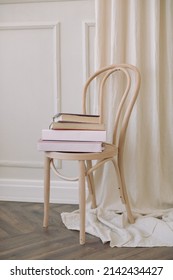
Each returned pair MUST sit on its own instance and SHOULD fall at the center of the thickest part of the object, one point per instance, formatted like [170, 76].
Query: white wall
[46, 53]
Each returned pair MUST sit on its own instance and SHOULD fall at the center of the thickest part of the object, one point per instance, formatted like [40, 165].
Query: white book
[74, 135]
[70, 146]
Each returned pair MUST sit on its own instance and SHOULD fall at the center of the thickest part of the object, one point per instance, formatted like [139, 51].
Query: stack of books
[73, 133]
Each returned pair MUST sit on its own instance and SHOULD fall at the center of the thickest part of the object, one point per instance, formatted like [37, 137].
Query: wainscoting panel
[46, 54]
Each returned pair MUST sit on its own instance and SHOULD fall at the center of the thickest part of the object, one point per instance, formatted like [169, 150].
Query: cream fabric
[140, 33]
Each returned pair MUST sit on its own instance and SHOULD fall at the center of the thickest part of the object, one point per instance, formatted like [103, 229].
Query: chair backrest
[130, 72]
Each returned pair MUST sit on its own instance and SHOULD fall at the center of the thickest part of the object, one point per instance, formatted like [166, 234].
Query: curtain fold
[141, 33]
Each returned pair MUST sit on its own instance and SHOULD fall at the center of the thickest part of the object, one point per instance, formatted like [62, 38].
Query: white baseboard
[32, 191]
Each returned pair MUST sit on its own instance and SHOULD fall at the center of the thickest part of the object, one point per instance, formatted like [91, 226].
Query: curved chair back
[123, 112]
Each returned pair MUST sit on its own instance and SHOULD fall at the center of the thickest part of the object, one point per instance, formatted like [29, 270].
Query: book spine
[76, 126]
[77, 135]
[63, 146]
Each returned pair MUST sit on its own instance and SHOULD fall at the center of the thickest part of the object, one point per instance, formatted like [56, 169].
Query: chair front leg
[82, 201]
[46, 190]
[91, 186]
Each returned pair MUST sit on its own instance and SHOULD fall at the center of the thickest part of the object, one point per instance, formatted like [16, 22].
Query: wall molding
[21, 164]
[86, 49]
[55, 27]
[32, 191]
[87, 71]
[33, 1]
[28, 25]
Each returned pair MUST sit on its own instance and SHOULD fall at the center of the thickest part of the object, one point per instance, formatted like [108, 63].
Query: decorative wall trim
[57, 67]
[21, 164]
[33, 1]
[55, 26]
[86, 50]
[28, 25]
[87, 26]
[32, 191]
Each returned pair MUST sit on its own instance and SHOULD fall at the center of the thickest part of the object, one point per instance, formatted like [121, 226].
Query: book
[81, 118]
[74, 135]
[76, 125]
[70, 146]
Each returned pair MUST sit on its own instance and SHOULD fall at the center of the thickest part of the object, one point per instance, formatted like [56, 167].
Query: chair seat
[109, 151]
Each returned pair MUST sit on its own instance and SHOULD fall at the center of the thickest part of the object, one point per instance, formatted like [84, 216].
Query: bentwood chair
[112, 152]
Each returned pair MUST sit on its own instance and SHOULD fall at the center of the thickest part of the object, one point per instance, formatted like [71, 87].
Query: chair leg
[127, 204]
[82, 201]
[91, 186]
[46, 190]
[119, 181]
[123, 191]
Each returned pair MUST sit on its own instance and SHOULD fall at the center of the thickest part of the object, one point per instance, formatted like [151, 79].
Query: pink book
[74, 135]
[70, 146]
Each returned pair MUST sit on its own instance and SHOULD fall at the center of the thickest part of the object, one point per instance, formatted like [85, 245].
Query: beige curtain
[141, 33]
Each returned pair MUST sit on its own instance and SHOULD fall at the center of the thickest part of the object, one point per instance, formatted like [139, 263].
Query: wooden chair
[113, 152]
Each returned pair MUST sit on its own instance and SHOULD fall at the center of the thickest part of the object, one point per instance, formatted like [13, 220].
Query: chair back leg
[46, 190]
[123, 192]
[82, 201]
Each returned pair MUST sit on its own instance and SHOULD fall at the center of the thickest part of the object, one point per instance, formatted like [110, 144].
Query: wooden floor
[22, 238]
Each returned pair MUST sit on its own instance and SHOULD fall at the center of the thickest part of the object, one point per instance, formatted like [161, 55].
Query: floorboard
[23, 238]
